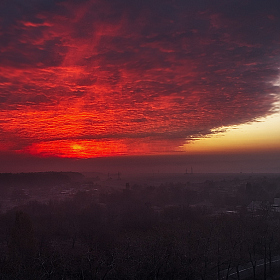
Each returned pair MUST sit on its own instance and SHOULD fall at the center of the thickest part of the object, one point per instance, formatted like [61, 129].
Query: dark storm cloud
[157, 70]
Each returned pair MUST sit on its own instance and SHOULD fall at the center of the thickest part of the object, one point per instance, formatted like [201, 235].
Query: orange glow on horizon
[245, 138]
[77, 149]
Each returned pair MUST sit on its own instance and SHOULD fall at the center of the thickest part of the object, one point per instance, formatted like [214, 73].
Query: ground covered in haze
[99, 228]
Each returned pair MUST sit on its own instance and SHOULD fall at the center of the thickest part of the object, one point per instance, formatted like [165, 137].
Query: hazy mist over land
[221, 163]
[164, 225]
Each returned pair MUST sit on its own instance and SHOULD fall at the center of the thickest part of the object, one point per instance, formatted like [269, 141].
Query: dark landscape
[67, 225]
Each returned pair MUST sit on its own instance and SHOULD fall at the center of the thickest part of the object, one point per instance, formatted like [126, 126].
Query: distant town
[213, 193]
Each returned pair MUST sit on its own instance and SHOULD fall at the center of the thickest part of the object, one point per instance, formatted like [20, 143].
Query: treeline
[126, 238]
[36, 179]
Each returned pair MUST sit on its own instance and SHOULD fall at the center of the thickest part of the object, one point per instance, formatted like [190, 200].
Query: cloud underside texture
[93, 78]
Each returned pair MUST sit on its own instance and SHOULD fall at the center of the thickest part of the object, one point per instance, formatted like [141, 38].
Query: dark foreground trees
[126, 238]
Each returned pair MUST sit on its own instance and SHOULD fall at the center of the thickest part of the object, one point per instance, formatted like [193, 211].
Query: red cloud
[104, 78]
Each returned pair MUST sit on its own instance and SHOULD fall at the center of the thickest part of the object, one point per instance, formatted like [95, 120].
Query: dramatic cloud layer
[108, 77]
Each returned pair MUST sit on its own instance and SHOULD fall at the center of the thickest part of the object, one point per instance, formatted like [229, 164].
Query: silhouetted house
[205, 206]
[276, 204]
[257, 205]
[157, 211]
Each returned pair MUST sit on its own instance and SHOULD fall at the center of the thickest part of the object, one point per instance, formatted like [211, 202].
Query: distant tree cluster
[30, 180]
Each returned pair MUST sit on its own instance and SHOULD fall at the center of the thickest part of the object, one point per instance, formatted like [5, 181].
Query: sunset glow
[81, 149]
[84, 79]
[246, 138]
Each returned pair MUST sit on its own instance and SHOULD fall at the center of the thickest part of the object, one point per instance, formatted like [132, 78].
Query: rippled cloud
[97, 78]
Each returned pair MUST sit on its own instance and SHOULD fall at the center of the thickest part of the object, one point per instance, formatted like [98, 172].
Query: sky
[88, 80]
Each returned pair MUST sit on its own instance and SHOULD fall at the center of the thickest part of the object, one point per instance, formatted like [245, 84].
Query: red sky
[95, 78]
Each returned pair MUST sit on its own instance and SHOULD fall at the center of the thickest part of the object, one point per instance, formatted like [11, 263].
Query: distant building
[276, 204]
[277, 201]
[257, 205]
